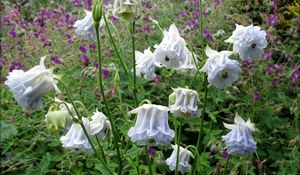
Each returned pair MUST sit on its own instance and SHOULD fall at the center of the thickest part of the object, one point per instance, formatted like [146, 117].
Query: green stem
[101, 149]
[90, 140]
[148, 160]
[178, 146]
[115, 135]
[226, 164]
[201, 124]
[116, 49]
[133, 63]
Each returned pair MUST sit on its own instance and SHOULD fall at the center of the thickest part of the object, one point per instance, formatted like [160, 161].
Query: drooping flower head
[76, 138]
[56, 119]
[171, 52]
[248, 41]
[221, 70]
[151, 127]
[239, 140]
[29, 87]
[85, 27]
[145, 64]
[185, 103]
[183, 162]
[126, 9]
[188, 66]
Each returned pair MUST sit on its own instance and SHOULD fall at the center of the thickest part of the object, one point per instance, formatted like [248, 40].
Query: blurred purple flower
[82, 49]
[146, 5]
[92, 47]
[256, 96]
[105, 72]
[271, 68]
[217, 2]
[193, 23]
[276, 82]
[225, 154]
[55, 59]
[267, 54]
[207, 35]
[293, 85]
[16, 65]
[196, 3]
[95, 63]
[114, 19]
[85, 60]
[157, 79]
[281, 68]
[151, 152]
[195, 14]
[40, 21]
[295, 75]
[89, 4]
[274, 4]
[213, 149]
[37, 33]
[138, 29]
[3, 60]
[146, 19]
[12, 33]
[69, 19]
[273, 20]
[147, 28]
[182, 14]
[77, 3]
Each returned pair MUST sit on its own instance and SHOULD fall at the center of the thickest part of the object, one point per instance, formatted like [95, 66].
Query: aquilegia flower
[86, 28]
[126, 9]
[76, 138]
[221, 70]
[145, 65]
[183, 162]
[185, 103]
[56, 119]
[188, 66]
[239, 140]
[171, 52]
[29, 87]
[248, 41]
[151, 127]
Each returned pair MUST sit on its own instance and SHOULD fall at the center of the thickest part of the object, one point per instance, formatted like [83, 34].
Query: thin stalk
[178, 146]
[116, 49]
[101, 149]
[82, 125]
[148, 160]
[115, 135]
[133, 63]
[201, 124]
[226, 164]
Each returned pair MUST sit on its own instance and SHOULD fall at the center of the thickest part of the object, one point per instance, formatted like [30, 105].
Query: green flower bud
[172, 98]
[117, 77]
[56, 119]
[97, 12]
[126, 9]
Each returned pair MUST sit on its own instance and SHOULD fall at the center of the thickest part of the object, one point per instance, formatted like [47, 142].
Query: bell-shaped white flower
[76, 138]
[56, 119]
[86, 28]
[99, 124]
[145, 65]
[29, 87]
[172, 51]
[248, 41]
[239, 140]
[151, 127]
[221, 70]
[188, 66]
[126, 9]
[183, 162]
[186, 103]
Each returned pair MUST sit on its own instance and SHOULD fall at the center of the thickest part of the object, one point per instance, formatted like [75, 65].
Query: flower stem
[115, 134]
[116, 49]
[133, 63]
[148, 160]
[201, 124]
[226, 164]
[101, 149]
[178, 145]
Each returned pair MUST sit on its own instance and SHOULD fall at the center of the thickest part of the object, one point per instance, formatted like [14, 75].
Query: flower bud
[56, 119]
[97, 12]
[126, 9]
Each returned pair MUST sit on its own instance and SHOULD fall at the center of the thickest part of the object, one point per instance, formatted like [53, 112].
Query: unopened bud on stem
[97, 12]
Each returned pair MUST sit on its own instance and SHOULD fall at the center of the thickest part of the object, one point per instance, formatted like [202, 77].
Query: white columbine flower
[29, 87]
[86, 28]
[151, 127]
[183, 162]
[221, 70]
[188, 66]
[145, 65]
[248, 41]
[76, 138]
[99, 123]
[239, 140]
[185, 104]
[172, 51]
